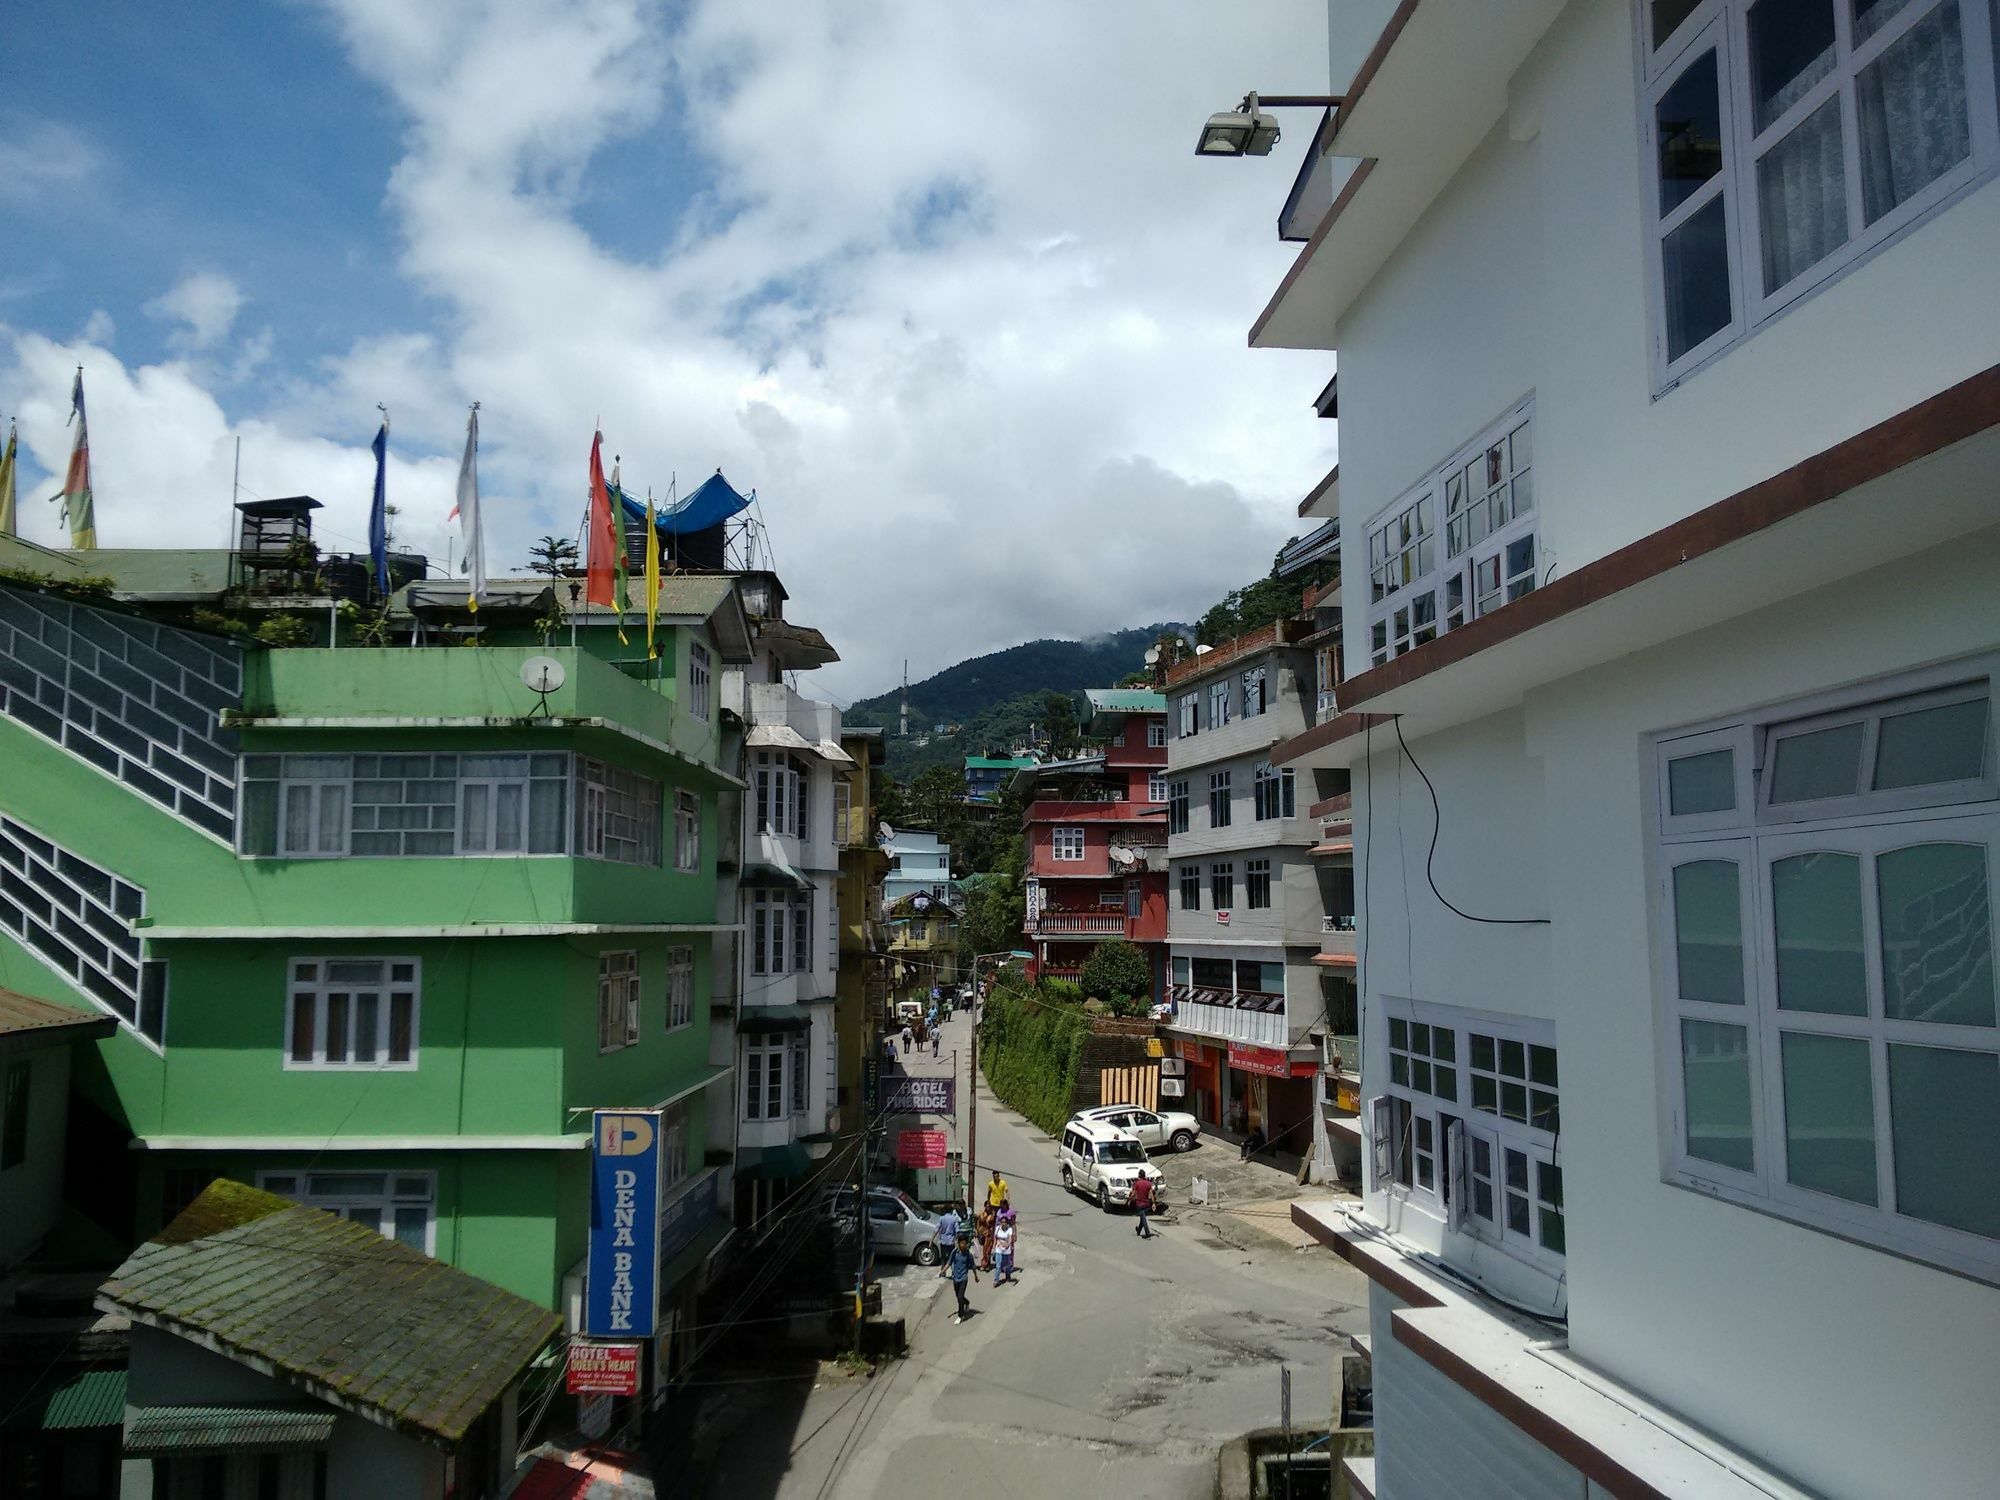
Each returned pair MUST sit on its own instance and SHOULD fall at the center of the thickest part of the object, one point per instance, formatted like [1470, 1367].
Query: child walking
[960, 1268]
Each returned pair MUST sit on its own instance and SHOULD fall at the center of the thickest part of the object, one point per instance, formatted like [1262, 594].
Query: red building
[1096, 831]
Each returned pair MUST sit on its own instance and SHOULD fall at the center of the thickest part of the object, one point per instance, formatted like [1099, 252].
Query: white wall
[1528, 275]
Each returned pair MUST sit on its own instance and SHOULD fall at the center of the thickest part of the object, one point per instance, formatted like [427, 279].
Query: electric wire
[1437, 827]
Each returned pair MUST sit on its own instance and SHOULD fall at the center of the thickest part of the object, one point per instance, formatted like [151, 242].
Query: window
[1256, 699]
[1190, 887]
[1156, 787]
[1118, 738]
[1222, 885]
[1177, 807]
[801, 1072]
[14, 1115]
[781, 783]
[764, 1076]
[779, 929]
[801, 934]
[617, 1000]
[1218, 799]
[1135, 900]
[698, 680]
[674, 1145]
[1110, 897]
[1218, 703]
[687, 830]
[1490, 554]
[680, 988]
[1156, 734]
[620, 814]
[1272, 792]
[844, 832]
[352, 1013]
[1067, 843]
[1190, 714]
[1829, 1008]
[1257, 884]
[1423, 1058]
[406, 805]
[396, 1205]
[1790, 137]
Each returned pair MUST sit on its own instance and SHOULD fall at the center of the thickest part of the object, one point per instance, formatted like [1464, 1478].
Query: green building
[380, 925]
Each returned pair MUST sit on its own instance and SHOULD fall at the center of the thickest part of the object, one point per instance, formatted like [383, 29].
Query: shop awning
[774, 1162]
[62, 1400]
[225, 1429]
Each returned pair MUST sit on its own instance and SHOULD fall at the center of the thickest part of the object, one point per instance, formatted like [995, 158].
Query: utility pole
[861, 1215]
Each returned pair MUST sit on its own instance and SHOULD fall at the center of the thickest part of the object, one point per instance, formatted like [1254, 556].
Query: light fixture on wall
[1247, 131]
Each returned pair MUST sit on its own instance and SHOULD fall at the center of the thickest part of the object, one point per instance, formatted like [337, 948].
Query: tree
[553, 555]
[990, 919]
[1059, 723]
[1116, 970]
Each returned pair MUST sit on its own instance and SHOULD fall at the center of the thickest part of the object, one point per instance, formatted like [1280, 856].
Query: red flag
[602, 547]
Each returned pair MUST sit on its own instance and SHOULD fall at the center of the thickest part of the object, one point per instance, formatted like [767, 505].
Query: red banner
[920, 1148]
[603, 1369]
[1273, 1062]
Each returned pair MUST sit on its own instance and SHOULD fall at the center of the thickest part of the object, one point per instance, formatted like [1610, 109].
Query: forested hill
[994, 698]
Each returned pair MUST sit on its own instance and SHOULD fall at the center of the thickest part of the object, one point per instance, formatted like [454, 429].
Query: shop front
[1273, 1090]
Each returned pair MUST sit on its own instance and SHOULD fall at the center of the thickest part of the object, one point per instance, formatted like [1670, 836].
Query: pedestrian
[960, 1267]
[1253, 1143]
[1142, 1204]
[906, 1038]
[983, 1228]
[949, 1224]
[1003, 1248]
[935, 1039]
[996, 1191]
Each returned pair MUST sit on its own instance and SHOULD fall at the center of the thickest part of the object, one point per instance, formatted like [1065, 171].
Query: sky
[945, 285]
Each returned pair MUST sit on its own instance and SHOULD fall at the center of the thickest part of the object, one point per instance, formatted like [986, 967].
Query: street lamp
[1247, 131]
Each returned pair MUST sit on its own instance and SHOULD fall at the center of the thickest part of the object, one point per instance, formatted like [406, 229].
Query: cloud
[40, 158]
[204, 303]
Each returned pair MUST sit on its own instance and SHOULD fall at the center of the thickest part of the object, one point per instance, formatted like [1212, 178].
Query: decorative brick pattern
[139, 701]
[78, 916]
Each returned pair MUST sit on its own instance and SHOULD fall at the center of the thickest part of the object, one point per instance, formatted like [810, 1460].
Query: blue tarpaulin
[710, 505]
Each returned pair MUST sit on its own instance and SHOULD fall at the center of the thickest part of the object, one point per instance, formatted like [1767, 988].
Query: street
[1114, 1366]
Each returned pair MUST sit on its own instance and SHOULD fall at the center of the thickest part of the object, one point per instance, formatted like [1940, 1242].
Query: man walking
[1142, 1204]
[996, 1192]
[936, 1037]
[961, 1268]
[949, 1224]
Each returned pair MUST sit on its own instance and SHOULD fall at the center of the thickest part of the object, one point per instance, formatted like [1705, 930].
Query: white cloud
[962, 305]
[42, 158]
[204, 303]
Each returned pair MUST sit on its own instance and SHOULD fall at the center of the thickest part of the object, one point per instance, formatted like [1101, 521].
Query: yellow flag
[7, 484]
[652, 576]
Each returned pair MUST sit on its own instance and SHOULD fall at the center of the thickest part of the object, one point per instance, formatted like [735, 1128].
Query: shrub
[1031, 1052]
[285, 630]
[1116, 970]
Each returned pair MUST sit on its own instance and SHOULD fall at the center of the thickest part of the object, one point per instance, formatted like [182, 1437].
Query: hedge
[1030, 1051]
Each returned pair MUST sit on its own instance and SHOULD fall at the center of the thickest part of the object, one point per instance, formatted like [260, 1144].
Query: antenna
[904, 731]
[542, 675]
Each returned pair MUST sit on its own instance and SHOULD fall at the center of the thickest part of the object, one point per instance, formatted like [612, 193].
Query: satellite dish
[542, 674]
[1152, 656]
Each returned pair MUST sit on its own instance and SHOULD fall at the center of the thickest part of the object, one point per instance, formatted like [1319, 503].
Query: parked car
[1102, 1162]
[1157, 1129]
[898, 1225]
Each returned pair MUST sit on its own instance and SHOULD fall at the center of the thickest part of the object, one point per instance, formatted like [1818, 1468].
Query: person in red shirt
[1142, 1204]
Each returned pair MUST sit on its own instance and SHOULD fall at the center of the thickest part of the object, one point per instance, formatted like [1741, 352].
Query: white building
[918, 862]
[787, 898]
[1669, 343]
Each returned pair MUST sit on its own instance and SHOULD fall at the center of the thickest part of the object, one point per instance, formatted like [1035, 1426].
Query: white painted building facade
[919, 862]
[1670, 370]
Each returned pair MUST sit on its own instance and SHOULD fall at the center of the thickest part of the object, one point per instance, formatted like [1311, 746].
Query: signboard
[1347, 1095]
[919, 1096]
[603, 1369]
[1272, 1062]
[920, 1148]
[871, 1087]
[622, 1268]
[1222, 918]
[1033, 901]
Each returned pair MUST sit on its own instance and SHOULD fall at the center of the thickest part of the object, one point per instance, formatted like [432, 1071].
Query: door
[1149, 1127]
[889, 1226]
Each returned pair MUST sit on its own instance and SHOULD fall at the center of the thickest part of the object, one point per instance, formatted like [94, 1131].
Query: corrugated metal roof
[64, 1400]
[1126, 700]
[226, 1429]
[25, 1020]
[341, 1312]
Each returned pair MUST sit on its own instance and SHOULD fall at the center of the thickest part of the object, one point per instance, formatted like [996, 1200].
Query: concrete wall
[31, 1193]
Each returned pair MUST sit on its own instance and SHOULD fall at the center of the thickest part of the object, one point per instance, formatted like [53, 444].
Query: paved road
[1116, 1367]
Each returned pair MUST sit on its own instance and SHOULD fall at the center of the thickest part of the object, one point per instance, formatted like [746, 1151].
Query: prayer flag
[600, 537]
[78, 508]
[7, 460]
[467, 512]
[378, 511]
[652, 578]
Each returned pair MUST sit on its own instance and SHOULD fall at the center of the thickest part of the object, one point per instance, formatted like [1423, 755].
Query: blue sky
[939, 283]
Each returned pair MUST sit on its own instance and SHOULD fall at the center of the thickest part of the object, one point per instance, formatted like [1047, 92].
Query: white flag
[467, 511]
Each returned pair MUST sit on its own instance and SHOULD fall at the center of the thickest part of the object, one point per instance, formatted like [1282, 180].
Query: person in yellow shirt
[996, 1191]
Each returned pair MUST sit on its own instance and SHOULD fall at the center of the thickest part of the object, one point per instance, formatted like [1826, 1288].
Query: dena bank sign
[621, 1278]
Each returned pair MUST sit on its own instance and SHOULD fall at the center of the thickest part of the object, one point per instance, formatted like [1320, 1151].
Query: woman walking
[1003, 1247]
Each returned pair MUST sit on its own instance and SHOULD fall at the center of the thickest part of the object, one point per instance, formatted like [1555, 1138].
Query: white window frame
[400, 978]
[1221, 702]
[1420, 583]
[1724, 26]
[1257, 690]
[400, 1189]
[766, 1095]
[1156, 787]
[680, 988]
[777, 932]
[620, 1000]
[1156, 734]
[278, 781]
[1066, 844]
[687, 830]
[798, 1079]
[700, 677]
[779, 800]
[619, 813]
[1753, 836]
[1273, 792]
[1188, 705]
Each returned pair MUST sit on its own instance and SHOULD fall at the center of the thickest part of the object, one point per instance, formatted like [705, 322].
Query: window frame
[1188, 708]
[1178, 807]
[1222, 885]
[765, 1098]
[620, 1000]
[1156, 734]
[1221, 702]
[680, 987]
[700, 680]
[296, 1183]
[1189, 879]
[1067, 844]
[1259, 679]
[1256, 871]
[1156, 788]
[387, 989]
[687, 831]
[598, 782]
[1218, 799]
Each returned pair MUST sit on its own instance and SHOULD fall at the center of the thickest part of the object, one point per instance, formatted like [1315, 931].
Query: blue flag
[378, 513]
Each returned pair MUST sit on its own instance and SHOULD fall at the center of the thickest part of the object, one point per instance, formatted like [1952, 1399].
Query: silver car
[898, 1225]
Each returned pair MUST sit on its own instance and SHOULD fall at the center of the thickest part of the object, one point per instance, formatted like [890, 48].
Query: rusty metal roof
[28, 1022]
[343, 1314]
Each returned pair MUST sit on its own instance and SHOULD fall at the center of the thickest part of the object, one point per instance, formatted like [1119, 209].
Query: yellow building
[861, 989]
[923, 946]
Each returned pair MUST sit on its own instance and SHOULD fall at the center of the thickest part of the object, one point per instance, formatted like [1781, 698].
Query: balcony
[1324, 707]
[1080, 924]
[1093, 810]
[1336, 942]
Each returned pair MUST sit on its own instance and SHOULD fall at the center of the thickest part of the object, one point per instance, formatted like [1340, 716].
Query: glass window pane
[1667, 14]
[1702, 783]
[1870, 14]
[1715, 1088]
[302, 1028]
[1829, 1115]
[507, 817]
[1937, 938]
[1482, 1050]
[1825, 763]
[1445, 1083]
[1514, 1059]
[1802, 196]
[1444, 1043]
[1689, 116]
[472, 832]
[1912, 111]
[1791, 49]
[1944, 1112]
[1816, 907]
[367, 1022]
[1482, 1200]
[1399, 1034]
[410, 1225]
[1542, 1065]
[1399, 1069]
[1514, 1102]
[1694, 265]
[1483, 1095]
[1947, 743]
[1420, 1075]
[332, 819]
[1708, 931]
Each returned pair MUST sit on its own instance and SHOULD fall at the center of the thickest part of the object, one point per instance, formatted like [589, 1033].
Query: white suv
[1102, 1162]
[1157, 1129]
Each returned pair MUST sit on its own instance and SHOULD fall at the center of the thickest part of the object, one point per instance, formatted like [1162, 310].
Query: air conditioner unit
[1173, 1067]
[1173, 1088]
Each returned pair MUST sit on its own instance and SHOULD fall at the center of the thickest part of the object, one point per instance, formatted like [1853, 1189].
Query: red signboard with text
[603, 1369]
[1273, 1062]
[920, 1148]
